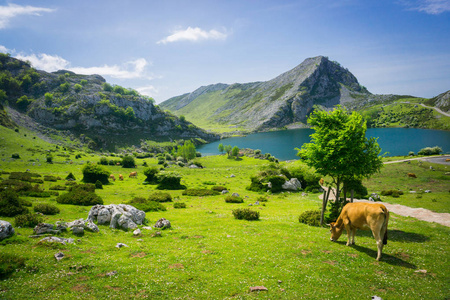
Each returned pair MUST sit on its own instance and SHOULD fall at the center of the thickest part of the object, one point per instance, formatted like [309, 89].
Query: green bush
[103, 161]
[160, 197]
[145, 205]
[393, 193]
[46, 209]
[28, 220]
[98, 185]
[233, 199]
[9, 263]
[199, 192]
[150, 174]
[169, 182]
[15, 156]
[310, 217]
[25, 202]
[262, 199]
[245, 214]
[79, 196]
[70, 176]
[51, 178]
[128, 162]
[10, 204]
[219, 188]
[179, 205]
[87, 187]
[94, 172]
[305, 174]
[430, 151]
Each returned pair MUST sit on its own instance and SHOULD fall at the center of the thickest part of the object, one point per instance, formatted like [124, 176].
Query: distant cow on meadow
[412, 175]
[120, 177]
[112, 177]
[362, 215]
[133, 174]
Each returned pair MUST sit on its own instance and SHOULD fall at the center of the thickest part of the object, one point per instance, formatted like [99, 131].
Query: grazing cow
[447, 159]
[112, 177]
[412, 175]
[362, 215]
[133, 174]
[120, 177]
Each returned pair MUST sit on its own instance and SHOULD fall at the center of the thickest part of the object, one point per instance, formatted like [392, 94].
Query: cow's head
[335, 232]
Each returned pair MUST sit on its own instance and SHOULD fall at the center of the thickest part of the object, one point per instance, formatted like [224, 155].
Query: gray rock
[427, 191]
[76, 223]
[54, 239]
[147, 228]
[59, 256]
[235, 195]
[375, 197]
[304, 194]
[89, 225]
[292, 185]
[232, 176]
[6, 230]
[120, 245]
[162, 223]
[225, 192]
[121, 216]
[137, 232]
[43, 228]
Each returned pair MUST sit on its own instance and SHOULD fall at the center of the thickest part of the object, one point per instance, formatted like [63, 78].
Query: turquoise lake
[282, 144]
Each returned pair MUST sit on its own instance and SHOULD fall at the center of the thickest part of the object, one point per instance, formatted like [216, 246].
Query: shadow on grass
[402, 236]
[392, 260]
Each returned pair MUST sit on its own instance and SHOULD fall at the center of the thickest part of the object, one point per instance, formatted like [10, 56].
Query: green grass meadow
[207, 254]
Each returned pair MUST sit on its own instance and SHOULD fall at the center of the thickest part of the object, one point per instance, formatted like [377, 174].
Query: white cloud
[149, 90]
[193, 34]
[12, 10]
[3, 49]
[432, 7]
[131, 69]
[46, 62]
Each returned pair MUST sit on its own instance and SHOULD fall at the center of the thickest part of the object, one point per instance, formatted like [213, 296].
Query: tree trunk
[352, 192]
[326, 194]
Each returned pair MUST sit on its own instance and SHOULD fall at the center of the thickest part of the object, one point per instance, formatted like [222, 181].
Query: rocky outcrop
[292, 185]
[120, 216]
[6, 230]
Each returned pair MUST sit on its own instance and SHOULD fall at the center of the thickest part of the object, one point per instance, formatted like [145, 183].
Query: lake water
[281, 144]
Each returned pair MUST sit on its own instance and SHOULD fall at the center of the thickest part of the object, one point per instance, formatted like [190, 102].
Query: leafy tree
[2, 95]
[23, 102]
[48, 99]
[339, 147]
[187, 151]
[182, 118]
[151, 173]
[64, 87]
[228, 149]
[235, 151]
[107, 87]
[83, 82]
[94, 172]
[119, 90]
[220, 148]
[129, 113]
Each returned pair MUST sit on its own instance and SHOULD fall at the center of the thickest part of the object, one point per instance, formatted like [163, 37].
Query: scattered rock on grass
[54, 239]
[59, 256]
[162, 223]
[120, 245]
[6, 230]
[258, 288]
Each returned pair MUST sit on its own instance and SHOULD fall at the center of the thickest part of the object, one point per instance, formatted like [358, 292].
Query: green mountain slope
[283, 101]
[86, 107]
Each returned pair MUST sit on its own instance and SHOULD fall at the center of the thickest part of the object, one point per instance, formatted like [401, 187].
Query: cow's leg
[353, 236]
[379, 240]
[349, 234]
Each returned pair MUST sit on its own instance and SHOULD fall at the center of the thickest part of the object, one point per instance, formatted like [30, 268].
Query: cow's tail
[385, 225]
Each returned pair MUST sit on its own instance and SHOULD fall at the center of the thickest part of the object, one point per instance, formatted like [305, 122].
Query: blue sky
[167, 48]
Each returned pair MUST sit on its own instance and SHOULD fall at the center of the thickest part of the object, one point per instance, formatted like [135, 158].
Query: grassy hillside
[210, 255]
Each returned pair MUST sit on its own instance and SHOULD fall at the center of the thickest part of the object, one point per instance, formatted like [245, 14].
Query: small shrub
[103, 161]
[79, 196]
[233, 199]
[128, 162]
[98, 185]
[28, 220]
[199, 192]
[411, 153]
[145, 205]
[209, 182]
[46, 209]
[219, 188]
[10, 204]
[150, 174]
[393, 193]
[94, 172]
[25, 202]
[9, 263]
[169, 182]
[49, 159]
[70, 177]
[430, 151]
[262, 199]
[310, 217]
[15, 156]
[160, 197]
[50, 178]
[245, 214]
[57, 188]
[179, 205]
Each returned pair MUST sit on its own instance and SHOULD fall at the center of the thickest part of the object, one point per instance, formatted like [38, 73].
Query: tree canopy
[339, 147]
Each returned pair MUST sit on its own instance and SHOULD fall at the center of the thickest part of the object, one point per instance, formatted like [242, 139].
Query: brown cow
[412, 175]
[133, 174]
[112, 177]
[120, 177]
[362, 215]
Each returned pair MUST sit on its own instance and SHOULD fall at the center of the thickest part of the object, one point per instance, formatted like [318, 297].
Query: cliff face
[88, 106]
[282, 101]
